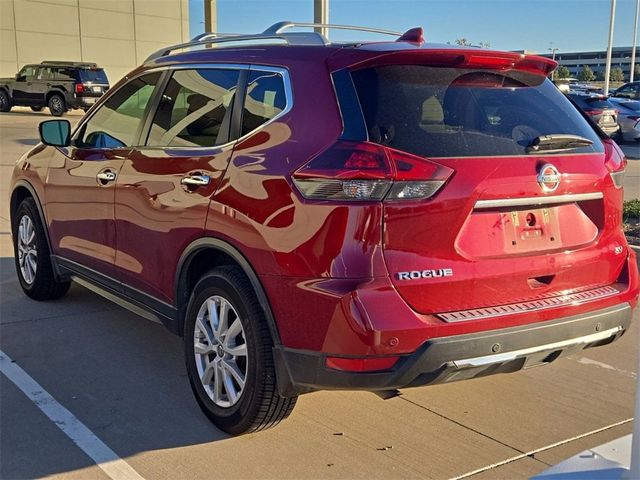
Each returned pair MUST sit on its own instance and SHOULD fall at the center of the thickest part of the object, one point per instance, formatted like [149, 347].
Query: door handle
[106, 177]
[196, 180]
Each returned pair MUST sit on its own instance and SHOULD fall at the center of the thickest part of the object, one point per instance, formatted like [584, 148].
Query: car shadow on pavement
[119, 374]
[28, 141]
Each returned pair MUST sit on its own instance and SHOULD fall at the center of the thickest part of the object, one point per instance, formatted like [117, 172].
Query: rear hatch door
[513, 223]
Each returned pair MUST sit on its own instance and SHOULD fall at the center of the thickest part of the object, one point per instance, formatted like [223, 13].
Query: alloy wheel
[220, 351]
[55, 105]
[27, 249]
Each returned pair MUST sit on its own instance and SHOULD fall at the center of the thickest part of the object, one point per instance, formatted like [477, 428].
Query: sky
[533, 25]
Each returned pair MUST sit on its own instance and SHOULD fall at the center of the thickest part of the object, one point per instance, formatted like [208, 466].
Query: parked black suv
[59, 85]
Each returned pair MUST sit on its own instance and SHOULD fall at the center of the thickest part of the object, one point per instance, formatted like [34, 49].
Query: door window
[195, 110]
[44, 73]
[265, 99]
[27, 73]
[116, 123]
[628, 91]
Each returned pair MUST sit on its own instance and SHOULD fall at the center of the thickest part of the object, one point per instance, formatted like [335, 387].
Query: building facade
[116, 34]
[621, 57]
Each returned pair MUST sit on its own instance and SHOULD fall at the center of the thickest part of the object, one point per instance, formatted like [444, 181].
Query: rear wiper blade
[557, 142]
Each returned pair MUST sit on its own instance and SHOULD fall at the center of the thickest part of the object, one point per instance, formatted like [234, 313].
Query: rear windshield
[452, 112]
[94, 75]
[592, 102]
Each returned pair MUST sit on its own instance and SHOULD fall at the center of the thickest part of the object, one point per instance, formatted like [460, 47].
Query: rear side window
[63, 73]
[92, 75]
[449, 112]
[195, 110]
[116, 122]
[265, 99]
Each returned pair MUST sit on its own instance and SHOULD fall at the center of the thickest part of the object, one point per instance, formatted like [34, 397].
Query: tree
[586, 74]
[562, 72]
[463, 42]
[616, 75]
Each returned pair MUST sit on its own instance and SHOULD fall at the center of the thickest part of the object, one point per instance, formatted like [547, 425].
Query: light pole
[210, 16]
[553, 55]
[635, 41]
[321, 15]
[607, 69]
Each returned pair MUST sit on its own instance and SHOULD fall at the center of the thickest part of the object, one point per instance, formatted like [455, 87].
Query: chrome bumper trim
[532, 201]
[549, 347]
[529, 306]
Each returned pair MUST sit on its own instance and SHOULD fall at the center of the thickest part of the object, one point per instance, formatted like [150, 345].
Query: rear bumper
[75, 101]
[459, 357]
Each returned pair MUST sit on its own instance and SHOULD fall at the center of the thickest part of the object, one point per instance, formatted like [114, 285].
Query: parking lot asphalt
[123, 378]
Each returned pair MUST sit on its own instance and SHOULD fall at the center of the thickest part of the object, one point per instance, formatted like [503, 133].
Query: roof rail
[275, 32]
[280, 27]
[69, 62]
[297, 38]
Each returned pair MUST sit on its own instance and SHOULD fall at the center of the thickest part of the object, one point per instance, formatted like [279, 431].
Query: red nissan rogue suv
[312, 215]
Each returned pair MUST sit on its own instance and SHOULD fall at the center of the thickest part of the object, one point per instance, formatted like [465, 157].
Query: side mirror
[56, 133]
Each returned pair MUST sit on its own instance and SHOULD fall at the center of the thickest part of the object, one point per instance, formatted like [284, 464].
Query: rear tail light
[616, 162]
[370, 364]
[79, 88]
[365, 171]
[594, 111]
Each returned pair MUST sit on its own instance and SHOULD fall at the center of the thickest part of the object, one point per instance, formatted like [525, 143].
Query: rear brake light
[615, 161]
[366, 171]
[594, 111]
[361, 364]
[79, 88]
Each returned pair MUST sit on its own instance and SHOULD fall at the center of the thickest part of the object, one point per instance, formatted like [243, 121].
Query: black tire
[259, 406]
[37, 109]
[5, 102]
[57, 105]
[43, 285]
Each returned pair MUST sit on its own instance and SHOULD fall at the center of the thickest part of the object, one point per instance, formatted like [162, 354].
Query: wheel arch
[202, 255]
[55, 91]
[22, 190]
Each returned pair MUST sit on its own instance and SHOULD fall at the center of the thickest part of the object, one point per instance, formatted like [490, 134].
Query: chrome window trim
[526, 201]
[282, 71]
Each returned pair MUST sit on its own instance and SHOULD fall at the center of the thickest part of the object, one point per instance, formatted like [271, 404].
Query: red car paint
[330, 268]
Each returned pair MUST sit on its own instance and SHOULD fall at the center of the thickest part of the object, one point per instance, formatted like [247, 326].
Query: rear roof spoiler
[448, 57]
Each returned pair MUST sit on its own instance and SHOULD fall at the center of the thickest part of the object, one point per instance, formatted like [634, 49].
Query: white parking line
[105, 458]
[540, 450]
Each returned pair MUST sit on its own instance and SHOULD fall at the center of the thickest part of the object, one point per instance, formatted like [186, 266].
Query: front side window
[27, 72]
[115, 124]
[264, 100]
[195, 110]
[451, 112]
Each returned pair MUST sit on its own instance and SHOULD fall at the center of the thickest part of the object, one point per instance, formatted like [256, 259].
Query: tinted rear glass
[591, 102]
[449, 112]
[95, 75]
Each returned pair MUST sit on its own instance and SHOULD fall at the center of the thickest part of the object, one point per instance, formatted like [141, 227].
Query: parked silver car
[628, 118]
[602, 111]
